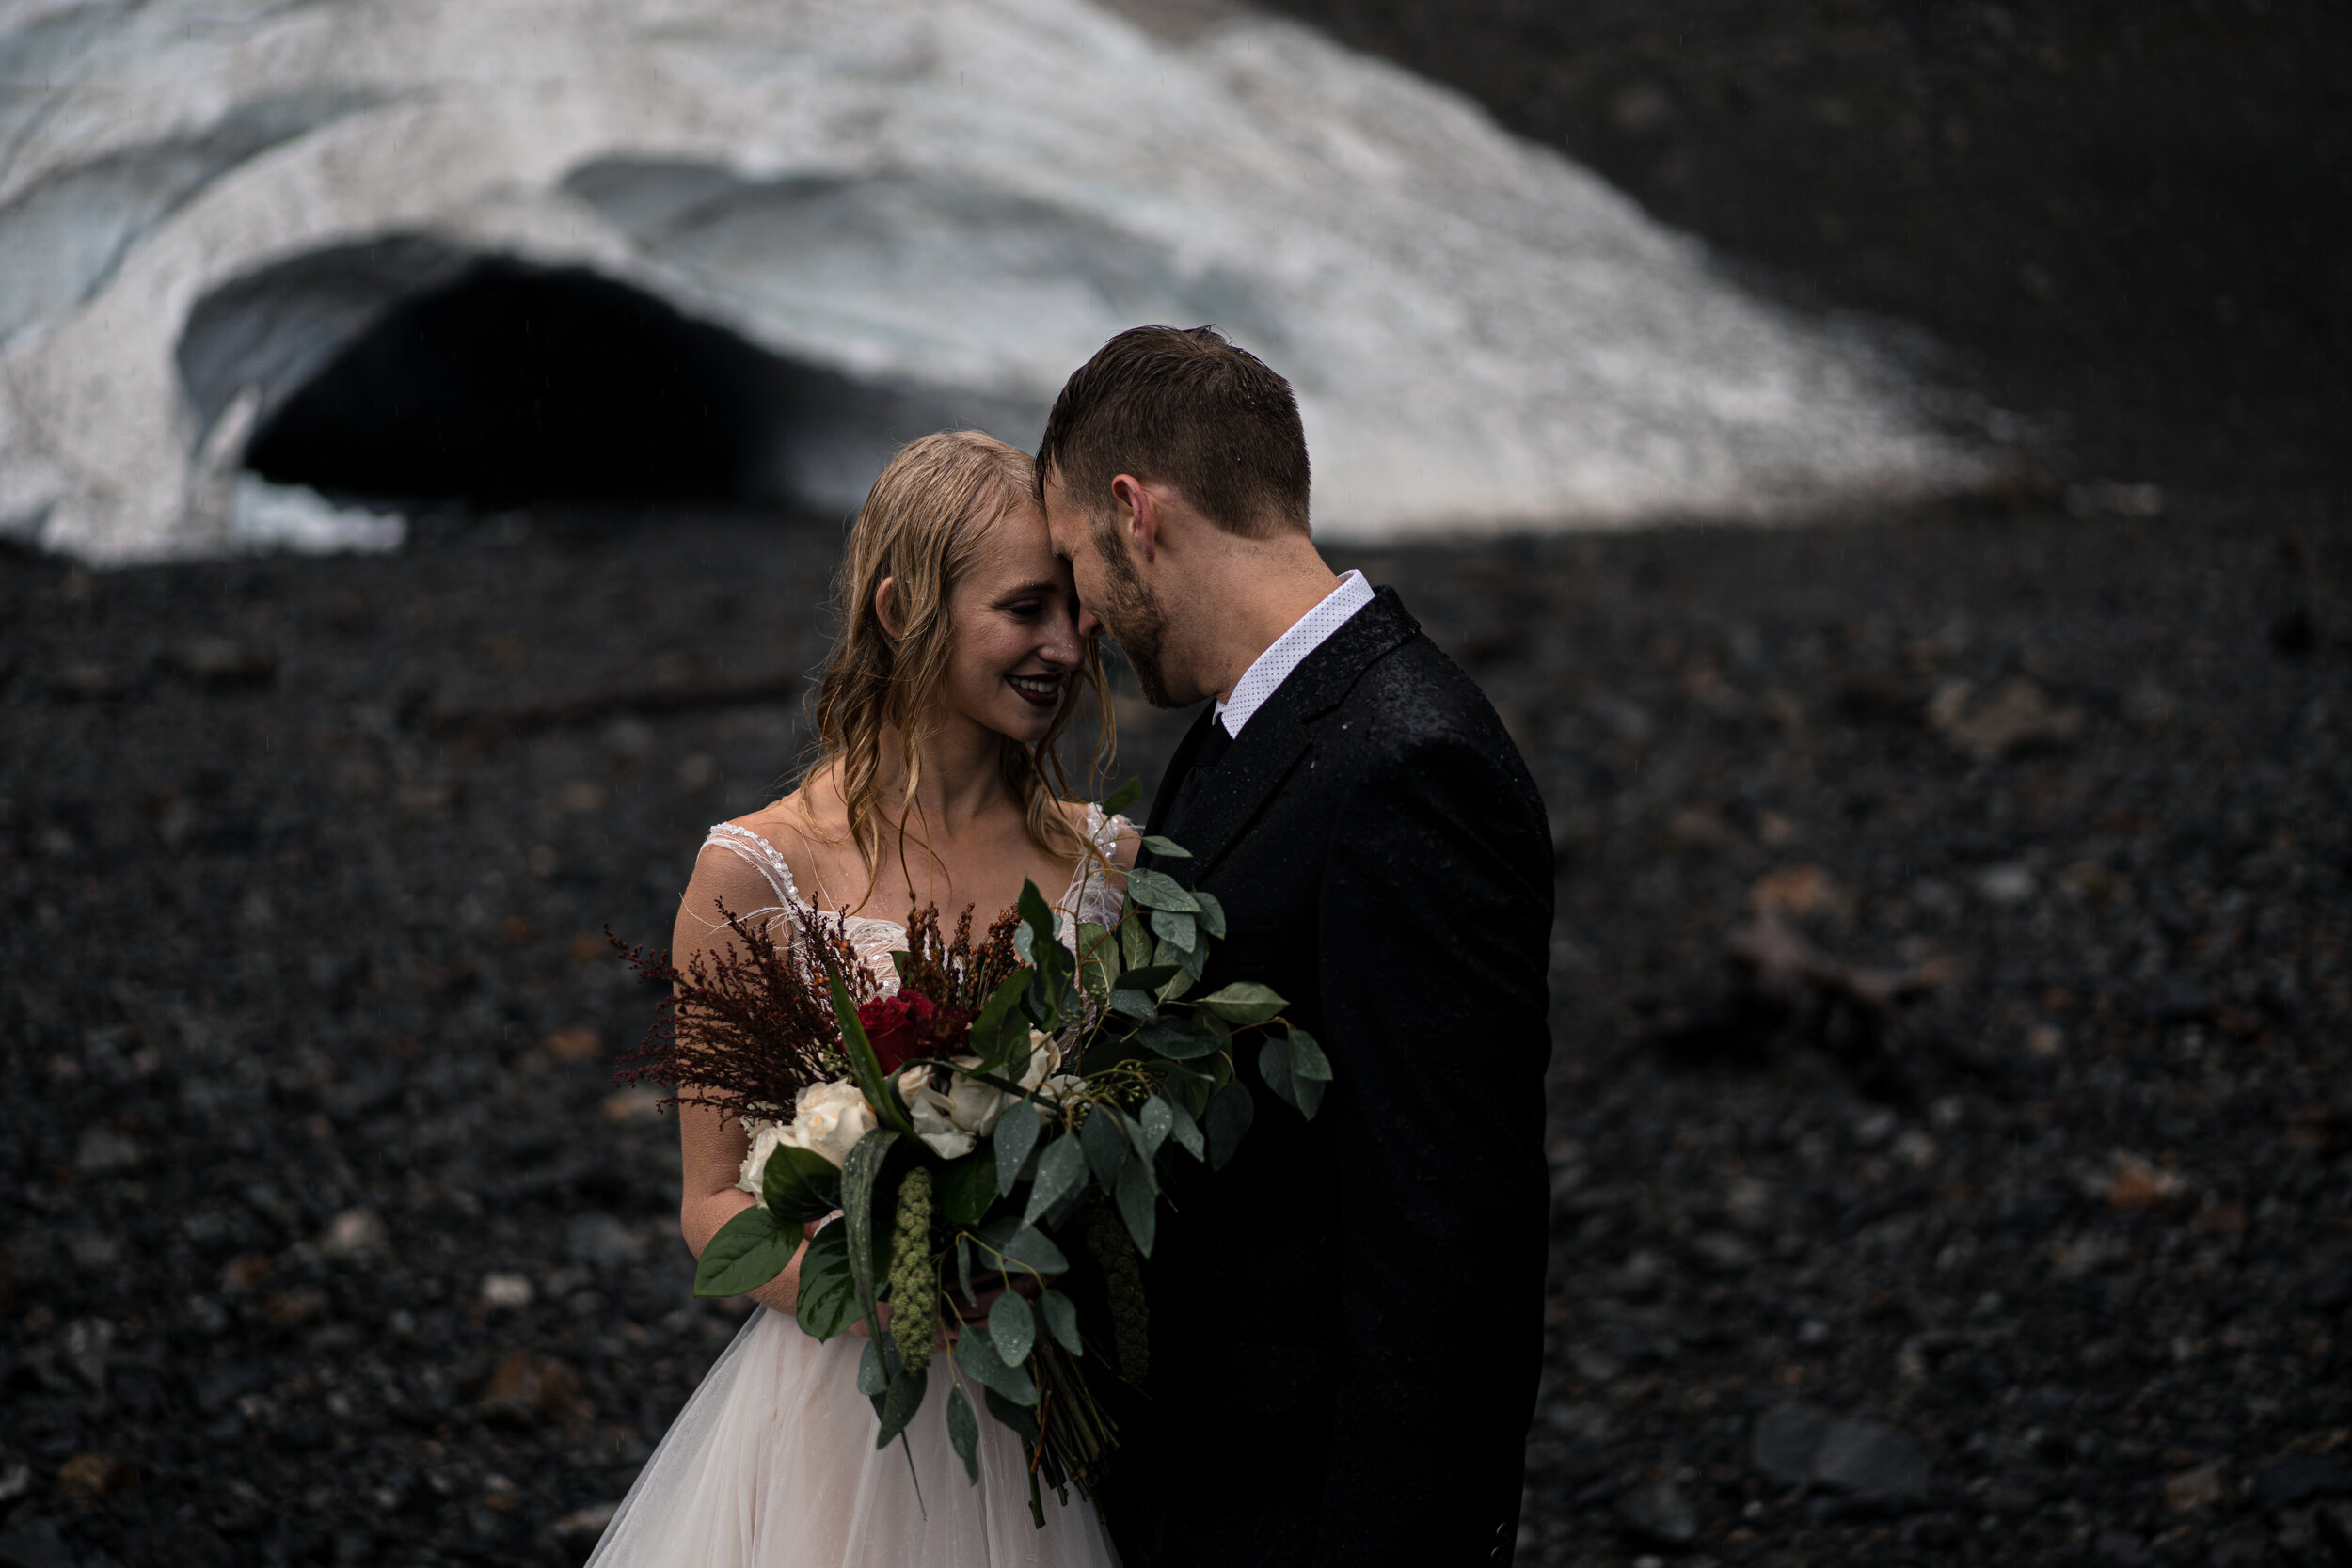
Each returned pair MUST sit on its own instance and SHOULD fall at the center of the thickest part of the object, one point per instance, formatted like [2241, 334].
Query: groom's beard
[1135, 617]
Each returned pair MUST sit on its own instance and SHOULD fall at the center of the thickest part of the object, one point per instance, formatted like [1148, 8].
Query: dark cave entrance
[510, 384]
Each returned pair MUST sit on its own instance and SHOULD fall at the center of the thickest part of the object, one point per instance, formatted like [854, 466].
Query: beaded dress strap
[760, 854]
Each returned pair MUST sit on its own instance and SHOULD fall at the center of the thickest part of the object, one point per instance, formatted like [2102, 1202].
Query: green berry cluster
[1122, 1278]
[913, 1296]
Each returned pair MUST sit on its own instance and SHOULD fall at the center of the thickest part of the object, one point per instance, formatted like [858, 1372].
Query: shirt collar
[1266, 675]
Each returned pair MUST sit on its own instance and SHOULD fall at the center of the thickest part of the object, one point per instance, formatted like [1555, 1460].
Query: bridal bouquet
[993, 1135]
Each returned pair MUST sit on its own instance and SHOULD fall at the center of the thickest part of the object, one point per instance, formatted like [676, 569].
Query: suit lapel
[1172, 776]
[1279, 734]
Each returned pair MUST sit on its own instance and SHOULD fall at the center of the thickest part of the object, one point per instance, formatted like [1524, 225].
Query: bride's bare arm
[710, 1147]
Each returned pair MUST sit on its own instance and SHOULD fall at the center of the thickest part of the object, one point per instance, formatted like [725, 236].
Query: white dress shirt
[1288, 651]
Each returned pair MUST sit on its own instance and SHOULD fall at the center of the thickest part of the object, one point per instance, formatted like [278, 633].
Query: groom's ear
[1139, 515]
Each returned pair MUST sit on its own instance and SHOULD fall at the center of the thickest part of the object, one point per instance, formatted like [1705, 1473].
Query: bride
[956, 669]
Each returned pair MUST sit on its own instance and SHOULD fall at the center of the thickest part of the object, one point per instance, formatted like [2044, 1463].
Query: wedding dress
[772, 1463]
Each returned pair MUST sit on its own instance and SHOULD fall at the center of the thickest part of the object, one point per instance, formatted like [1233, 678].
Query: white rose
[954, 1120]
[765, 1136]
[828, 1119]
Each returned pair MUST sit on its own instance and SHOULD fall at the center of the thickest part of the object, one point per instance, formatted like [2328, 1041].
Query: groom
[1346, 1322]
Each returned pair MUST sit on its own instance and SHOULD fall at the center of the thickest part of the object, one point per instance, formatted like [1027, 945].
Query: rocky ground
[1994, 1208]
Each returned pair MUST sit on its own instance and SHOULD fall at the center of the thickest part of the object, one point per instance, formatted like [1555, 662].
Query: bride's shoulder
[1117, 839]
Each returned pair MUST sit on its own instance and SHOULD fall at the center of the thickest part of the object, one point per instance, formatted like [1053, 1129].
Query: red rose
[899, 1027]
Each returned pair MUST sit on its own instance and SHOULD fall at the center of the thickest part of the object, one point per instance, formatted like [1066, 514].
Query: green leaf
[1060, 1170]
[964, 1188]
[1012, 1328]
[977, 1356]
[1192, 964]
[1176, 930]
[1211, 913]
[904, 1398]
[1098, 959]
[1147, 979]
[1229, 1114]
[800, 1187]
[1106, 1146]
[864, 1065]
[1135, 938]
[999, 1024]
[1045, 949]
[873, 1378]
[1016, 1136]
[828, 1299]
[1157, 1121]
[1179, 1039]
[963, 1433]
[1311, 1072]
[1186, 1130]
[1019, 1421]
[1023, 1245]
[1124, 795]
[749, 1250]
[858, 1174]
[1133, 1003]
[1062, 1320]
[1274, 1066]
[1167, 848]
[1157, 890]
[964, 1269]
[1135, 1204]
[1244, 1002]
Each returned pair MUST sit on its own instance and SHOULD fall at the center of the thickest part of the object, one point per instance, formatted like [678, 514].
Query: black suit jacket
[1346, 1322]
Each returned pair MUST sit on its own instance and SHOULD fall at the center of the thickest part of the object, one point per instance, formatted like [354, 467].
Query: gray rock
[29, 1543]
[1659, 1512]
[1874, 1461]
[1785, 1439]
[2298, 1477]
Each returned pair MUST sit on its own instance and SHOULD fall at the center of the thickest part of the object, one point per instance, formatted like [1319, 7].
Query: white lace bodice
[1090, 895]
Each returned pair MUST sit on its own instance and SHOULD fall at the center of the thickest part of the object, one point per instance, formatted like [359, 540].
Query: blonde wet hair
[921, 525]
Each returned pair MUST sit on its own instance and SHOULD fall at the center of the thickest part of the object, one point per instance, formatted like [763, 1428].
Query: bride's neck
[960, 774]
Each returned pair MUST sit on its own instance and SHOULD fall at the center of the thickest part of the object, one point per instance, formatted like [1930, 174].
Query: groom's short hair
[1186, 409]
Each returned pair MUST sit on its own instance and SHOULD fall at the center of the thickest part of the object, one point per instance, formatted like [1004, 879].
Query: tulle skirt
[772, 1464]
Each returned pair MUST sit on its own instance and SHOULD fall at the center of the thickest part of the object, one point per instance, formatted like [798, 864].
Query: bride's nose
[1059, 646]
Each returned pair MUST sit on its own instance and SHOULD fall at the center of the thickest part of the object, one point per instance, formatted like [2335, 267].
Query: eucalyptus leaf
[1179, 1039]
[828, 1297]
[873, 1379]
[1151, 977]
[1098, 959]
[1106, 1146]
[1061, 1167]
[1157, 890]
[1062, 1320]
[963, 1433]
[1211, 913]
[999, 1018]
[1124, 795]
[799, 1185]
[1191, 962]
[1133, 1003]
[1167, 848]
[1274, 1066]
[1311, 1072]
[1012, 1328]
[975, 1355]
[1184, 1129]
[1135, 938]
[1157, 1120]
[1244, 1002]
[749, 1250]
[964, 1271]
[1016, 1136]
[1176, 930]
[1136, 1207]
[1019, 1421]
[1229, 1114]
[1022, 1247]
[903, 1399]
